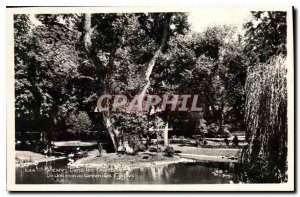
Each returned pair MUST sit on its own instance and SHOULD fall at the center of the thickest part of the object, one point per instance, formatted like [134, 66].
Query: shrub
[169, 151]
[79, 123]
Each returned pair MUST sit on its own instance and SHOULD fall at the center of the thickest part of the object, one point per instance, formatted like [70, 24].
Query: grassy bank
[132, 161]
[184, 154]
[29, 157]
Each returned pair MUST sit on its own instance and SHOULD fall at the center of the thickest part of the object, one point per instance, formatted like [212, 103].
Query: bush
[212, 130]
[155, 148]
[79, 123]
[169, 151]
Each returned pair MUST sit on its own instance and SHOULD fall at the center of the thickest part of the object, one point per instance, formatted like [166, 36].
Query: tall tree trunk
[87, 31]
[155, 56]
[112, 133]
[166, 132]
[87, 42]
[87, 34]
[151, 66]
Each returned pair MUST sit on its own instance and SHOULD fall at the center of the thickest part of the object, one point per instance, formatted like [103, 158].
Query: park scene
[213, 98]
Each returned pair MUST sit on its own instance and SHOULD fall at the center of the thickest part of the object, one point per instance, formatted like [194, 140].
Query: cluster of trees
[64, 63]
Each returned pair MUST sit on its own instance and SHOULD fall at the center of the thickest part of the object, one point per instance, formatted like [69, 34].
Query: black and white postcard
[150, 99]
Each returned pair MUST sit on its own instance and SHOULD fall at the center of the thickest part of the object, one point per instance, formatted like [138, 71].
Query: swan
[226, 175]
[71, 155]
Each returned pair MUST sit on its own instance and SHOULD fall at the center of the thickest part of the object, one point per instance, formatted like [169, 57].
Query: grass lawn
[206, 151]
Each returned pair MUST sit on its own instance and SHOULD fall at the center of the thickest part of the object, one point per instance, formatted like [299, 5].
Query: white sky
[203, 18]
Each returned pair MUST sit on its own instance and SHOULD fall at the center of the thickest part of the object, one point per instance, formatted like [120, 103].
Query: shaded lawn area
[206, 151]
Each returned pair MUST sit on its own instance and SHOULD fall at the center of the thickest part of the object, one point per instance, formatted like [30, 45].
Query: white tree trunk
[166, 138]
[87, 34]
[87, 26]
[111, 131]
[151, 66]
[156, 54]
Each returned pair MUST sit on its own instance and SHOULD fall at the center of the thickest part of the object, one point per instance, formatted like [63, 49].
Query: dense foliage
[79, 123]
[265, 157]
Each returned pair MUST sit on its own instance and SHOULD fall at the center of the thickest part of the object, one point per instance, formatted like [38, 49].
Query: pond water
[58, 172]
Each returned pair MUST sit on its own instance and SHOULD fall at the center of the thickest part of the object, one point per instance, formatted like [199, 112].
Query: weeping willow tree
[265, 157]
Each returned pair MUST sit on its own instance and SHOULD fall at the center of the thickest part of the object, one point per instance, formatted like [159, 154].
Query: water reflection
[58, 172]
